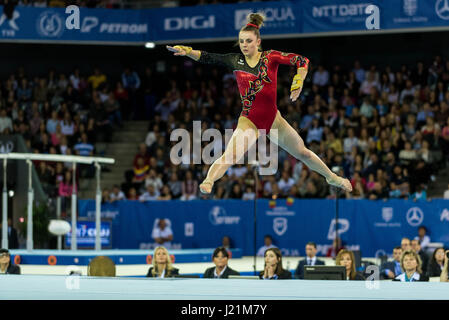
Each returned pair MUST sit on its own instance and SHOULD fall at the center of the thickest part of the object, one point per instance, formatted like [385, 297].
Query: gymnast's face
[249, 43]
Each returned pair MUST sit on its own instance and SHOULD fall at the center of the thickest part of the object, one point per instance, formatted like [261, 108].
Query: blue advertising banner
[218, 22]
[374, 227]
[86, 232]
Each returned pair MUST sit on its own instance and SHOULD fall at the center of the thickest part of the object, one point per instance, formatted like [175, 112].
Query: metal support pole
[256, 176]
[5, 209]
[98, 210]
[74, 225]
[30, 208]
[58, 216]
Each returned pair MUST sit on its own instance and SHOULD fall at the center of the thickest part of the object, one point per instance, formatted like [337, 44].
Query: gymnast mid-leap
[256, 74]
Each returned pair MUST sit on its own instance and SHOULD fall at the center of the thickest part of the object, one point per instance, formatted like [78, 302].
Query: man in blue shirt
[391, 269]
[85, 148]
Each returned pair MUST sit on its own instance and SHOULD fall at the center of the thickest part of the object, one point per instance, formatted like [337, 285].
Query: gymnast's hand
[180, 50]
[296, 87]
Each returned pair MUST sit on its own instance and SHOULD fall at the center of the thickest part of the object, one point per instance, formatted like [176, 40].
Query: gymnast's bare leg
[232, 153]
[290, 141]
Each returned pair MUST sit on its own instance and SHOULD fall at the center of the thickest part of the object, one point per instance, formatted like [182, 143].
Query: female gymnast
[256, 74]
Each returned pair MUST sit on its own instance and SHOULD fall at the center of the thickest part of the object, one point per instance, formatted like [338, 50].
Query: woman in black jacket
[346, 258]
[273, 266]
[436, 263]
[162, 267]
[221, 270]
[6, 267]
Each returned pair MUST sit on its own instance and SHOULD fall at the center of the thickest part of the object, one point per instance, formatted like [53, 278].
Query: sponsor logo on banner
[90, 22]
[11, 23]
[6, 146]
[415, 216]
[410, 7]
[189, 23]
[444, 215]
[280, 211]
[218, 216]
[290, 252]
[442, 9]
[50, 24]
[340, 11]
[188, 229]
[281, 17]
[387, 216]
[280, 225]
[343, 226]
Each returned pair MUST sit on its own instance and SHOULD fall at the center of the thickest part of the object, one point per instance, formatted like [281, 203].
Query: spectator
[5, 123]
[140, 173]
[117, 194]
[424, 258]
[189, 187]
[422, 237]
[175, 186]
[162, 233]
[6, 267]
[337, 245]
[321, 77]
[406, 244]
[162, 265]
[236, 192]
[221, 270]
[248, 194]
[268, 244]
[226, 242]
[150, 195]
[391, 269]
[154, 180]
[420, 193]
[165, 193]
[346, 258]
[310, 260]
[13, 239]
[105, 196]
[96, 79]
[65, 190]
[101, 266]
[436, 263]
[411, 264]
[132, 194]
[446, 193]
[273, 269]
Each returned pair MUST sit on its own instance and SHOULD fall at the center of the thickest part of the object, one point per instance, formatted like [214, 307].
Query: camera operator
[443, 276]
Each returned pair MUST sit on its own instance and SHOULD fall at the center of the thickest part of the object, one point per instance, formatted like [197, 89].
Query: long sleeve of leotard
[225, 60]
[291, 59]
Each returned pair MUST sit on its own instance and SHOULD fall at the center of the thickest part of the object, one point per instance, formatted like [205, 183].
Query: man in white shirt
[321, 77]
[286, 183]
[5, 122]
[117, 194]
[162, 233]
[150, 195]
[268, 241]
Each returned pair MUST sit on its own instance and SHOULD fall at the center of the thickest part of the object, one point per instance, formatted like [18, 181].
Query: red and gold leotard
[257, 85]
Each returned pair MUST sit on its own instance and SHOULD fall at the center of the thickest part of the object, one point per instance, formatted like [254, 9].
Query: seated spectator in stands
[101, 266]
[189, 187]
[286, 183]
[346, 258]
[422, 237]
[337, 245]
[268, 244]
[310, 260]
[140, 173]
[273, 269]
[5, 123]
[420, 194]
[116, 194]
[175, 185]
[65, 190]
[105, 196]
[56, 137]
[162, 265]
[406, 245]
[424, 257]
[150, 195]
[444, 273]
[96, 79]
[132, 194]
[248, 194]
[6, 266]
[411, 264]
[154, 180]
[236, 192]
[112, 108]
[162, 233]
[13, 239]
[436, 263]
[226, 242]
[221, 270]
[165, 193]
[143, 154]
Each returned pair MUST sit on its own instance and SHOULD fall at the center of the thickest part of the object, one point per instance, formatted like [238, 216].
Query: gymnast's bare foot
[340, 182]
[206, 186]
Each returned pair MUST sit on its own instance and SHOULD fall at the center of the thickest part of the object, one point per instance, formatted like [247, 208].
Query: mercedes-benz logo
[415, 216]
[442, 9]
